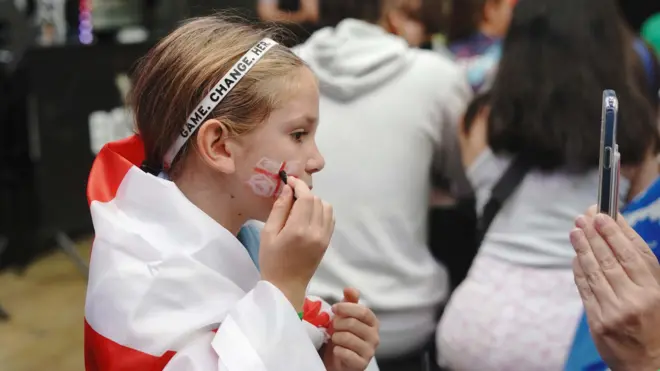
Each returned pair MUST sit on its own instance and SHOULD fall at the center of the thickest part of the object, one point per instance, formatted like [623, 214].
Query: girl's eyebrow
[303, 121]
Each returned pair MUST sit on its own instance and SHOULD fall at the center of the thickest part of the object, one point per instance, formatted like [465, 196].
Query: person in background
[640, 212]
[513, 310]
[476, 29]
[618, 277]
[388, 110]
[288, 11]
[300, 17]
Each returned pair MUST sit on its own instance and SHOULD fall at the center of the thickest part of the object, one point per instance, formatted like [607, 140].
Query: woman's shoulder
[489, 166]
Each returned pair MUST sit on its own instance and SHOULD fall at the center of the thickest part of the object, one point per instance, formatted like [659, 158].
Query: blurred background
[64, 67]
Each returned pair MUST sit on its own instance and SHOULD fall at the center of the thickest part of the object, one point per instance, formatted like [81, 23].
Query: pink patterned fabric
[505, 317]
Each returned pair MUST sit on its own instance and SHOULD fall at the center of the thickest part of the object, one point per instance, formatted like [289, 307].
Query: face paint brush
[285, 180]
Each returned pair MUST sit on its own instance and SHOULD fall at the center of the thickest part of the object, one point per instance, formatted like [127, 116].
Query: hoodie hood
[354, 58]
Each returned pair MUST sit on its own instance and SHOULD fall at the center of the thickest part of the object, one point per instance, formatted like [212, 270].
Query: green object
[300, 315]
[650, 32]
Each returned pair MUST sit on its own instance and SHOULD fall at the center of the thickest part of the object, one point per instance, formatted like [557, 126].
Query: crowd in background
[458, 143]
[514, 86]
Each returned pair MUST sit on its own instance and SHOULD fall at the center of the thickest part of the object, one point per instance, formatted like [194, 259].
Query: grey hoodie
[354, 58]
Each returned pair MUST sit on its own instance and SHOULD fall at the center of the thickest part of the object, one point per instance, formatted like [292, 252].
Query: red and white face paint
[266, 182]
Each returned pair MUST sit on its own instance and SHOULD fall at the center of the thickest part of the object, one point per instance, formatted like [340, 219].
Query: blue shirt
[479, 56]
[249, 235]
[643, 214]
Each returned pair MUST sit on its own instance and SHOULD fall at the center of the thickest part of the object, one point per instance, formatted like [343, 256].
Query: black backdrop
[66, 84]
[46, 142]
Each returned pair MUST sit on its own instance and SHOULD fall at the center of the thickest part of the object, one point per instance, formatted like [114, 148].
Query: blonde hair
[177, 73]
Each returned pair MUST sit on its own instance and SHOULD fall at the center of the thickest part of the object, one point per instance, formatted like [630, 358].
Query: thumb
[351, 295]
[280, 212]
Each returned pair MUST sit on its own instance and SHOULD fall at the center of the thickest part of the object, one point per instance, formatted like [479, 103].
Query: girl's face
[285, 141]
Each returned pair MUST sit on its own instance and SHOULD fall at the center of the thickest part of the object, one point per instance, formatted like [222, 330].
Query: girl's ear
[214, 147]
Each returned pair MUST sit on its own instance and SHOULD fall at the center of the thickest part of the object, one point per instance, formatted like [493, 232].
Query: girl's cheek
[265, 180]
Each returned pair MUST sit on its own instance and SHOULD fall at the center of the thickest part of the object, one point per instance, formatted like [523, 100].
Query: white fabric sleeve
[261, 333]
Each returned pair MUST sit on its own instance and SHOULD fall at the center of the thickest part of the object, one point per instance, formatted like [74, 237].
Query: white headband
[216, 95]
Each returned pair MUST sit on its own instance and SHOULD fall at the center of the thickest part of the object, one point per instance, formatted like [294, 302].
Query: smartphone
[608, 184]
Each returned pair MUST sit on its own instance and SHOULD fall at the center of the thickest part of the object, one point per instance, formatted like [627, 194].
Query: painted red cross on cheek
[266, 180]
[273, 177]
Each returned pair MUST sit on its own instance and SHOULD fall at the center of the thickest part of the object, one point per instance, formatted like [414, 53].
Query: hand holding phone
[608, 185]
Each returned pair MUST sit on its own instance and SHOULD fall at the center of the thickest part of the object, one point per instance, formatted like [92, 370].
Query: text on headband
[216, 95]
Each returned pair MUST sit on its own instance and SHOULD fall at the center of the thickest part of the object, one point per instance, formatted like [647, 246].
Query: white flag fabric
[171, 289]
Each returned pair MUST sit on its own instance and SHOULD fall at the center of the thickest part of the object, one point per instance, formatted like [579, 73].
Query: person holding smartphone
[640, 221]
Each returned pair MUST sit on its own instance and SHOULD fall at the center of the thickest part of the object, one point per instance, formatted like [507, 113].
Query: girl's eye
[298, 135]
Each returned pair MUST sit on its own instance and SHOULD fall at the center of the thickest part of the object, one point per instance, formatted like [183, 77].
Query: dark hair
[334, 11]
[466, 15]
[558, 57]
[431, 13]
[434, 15]
[479, 102]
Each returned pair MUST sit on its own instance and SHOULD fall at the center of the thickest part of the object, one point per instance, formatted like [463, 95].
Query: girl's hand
[355, 339]
[294, 240]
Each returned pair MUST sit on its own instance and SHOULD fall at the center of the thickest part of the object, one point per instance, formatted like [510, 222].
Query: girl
[175, 284]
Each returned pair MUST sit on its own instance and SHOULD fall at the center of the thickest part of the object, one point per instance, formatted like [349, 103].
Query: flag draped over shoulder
[171, 289]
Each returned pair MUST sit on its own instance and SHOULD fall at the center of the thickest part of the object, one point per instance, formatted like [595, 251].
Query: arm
[448, 173]
[269, 11]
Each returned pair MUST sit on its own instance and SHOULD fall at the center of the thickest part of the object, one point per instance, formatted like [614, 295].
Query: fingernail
[581, 222]
[600, 220]
[576, 235]
[334, 308]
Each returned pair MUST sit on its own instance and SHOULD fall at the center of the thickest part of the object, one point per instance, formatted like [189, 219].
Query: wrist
[295, 292]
